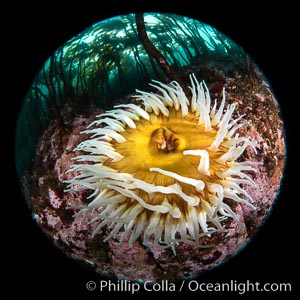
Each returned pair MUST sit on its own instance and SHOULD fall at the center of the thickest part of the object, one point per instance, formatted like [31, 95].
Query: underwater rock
[112, 259]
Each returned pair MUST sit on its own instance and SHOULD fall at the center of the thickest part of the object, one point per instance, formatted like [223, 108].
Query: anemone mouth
[162, 169]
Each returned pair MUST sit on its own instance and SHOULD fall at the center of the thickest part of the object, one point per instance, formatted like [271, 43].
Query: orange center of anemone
[160, 143]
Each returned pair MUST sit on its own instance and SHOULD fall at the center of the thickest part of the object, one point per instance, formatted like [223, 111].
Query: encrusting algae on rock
[162, 169]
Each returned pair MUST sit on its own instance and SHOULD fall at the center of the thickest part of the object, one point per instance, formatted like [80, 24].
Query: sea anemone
[162, 169]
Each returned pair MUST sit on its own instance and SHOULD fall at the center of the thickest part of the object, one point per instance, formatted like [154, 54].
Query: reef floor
[44, 186]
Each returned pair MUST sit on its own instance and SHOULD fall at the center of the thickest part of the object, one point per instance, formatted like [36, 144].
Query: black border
[265, 33]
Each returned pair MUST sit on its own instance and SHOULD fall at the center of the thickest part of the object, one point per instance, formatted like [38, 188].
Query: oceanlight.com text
[234, 286]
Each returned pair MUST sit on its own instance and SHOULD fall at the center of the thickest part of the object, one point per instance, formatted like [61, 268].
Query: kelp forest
[104, 64]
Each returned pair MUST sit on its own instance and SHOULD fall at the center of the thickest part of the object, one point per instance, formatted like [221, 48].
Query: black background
[34, 32]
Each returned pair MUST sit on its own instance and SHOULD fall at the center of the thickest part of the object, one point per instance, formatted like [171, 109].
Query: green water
[106, 62]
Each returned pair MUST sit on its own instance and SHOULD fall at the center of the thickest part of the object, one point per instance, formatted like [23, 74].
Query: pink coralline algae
[54, 209]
